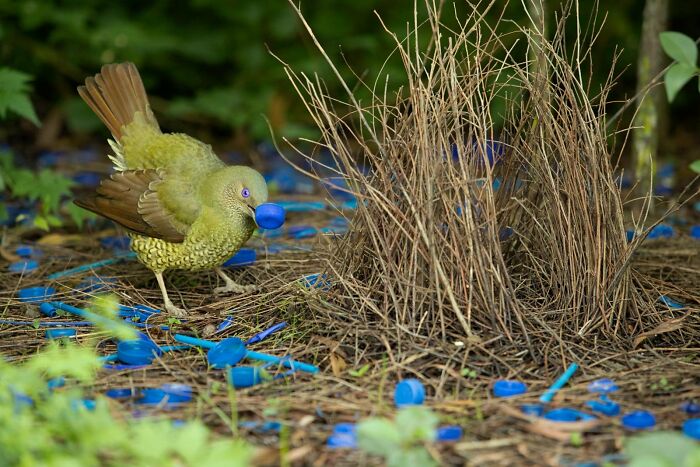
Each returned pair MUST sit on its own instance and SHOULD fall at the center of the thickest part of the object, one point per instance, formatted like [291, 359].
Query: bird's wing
[137, 199]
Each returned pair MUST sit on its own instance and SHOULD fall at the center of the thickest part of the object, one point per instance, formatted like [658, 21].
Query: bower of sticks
[467, 255]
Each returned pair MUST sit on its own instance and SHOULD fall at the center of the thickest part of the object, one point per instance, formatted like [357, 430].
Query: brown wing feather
[130, 198]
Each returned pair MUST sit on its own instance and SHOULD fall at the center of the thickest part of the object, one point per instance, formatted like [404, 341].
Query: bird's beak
[252, 211]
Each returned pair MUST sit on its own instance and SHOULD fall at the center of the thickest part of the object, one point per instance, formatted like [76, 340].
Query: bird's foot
[235, 288]
[175, 311]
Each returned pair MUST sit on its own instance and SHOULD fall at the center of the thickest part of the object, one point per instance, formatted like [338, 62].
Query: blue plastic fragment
[638, 420]
[91, 266]
[120, 367]
[117, 243]
[532, 409]
[558, 384]
[349, 204]
[152, 396]
[409, 392]
[661, 231]
[225, 324]
[244, 376]
[602, 386]
[302, 206]
[606, 407]
[177, 393]
[60, 332]
[669, 302]
[137, 352]
[35, 294]
[23, 266]
[630, 235]
[269, 215]
[301, 231]
[261, 427]
[83, 404]
[333, 230]
[691, 428]
[345, 428]
[47, 324]
[121, 393]
[566, 414]
[95, 284]
[690, 407]
[508, 388]
[27, 251]
[54, 383]
[243, 257]
[316, 281]
[449, 433]
[342, 440]
[263, 334]
[695, 232]
[273, 233]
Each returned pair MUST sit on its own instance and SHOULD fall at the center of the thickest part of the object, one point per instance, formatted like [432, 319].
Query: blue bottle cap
[345, 429]
[47, 309]
[449, 433]
[695, 232]
[638, 420]
[85, 404]
[566, 414]
[508, 388]
[532, 409]
[602, 386]
[690, 407]
[121, 393]
[35, 294]
[23, 266]
[243, 257]
[269, 215]
[342, 440]
[409, 392]
[606, 407]
[691, 428]
[316, 281]
[177, 393]
[244, 376]
[228, 352]
[152, 396]
[137, 351]
[26, 251]
[58, 333]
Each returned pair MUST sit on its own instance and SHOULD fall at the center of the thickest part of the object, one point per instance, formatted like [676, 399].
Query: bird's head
[237, 190]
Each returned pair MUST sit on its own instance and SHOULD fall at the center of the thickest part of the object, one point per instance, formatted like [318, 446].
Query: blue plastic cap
[137, 351]
[121, 393]
[313, 281]
[152, 396]
[26, 251]
[532, 409]
[690, 407]
[638, 420]
[692, 428]
[345, 429]
[661, 231]
[695, 232]
[602, 386]
[269, 215]
[244, 376]
[177, 393]
[60, 332]
[508, 388]
[228, 352]
[243, 257]
[47, 309]
[342, 440]
[449, 433]
[35, 294]
[409, 392]
[566, 414]
[23, 266]
[606, 407]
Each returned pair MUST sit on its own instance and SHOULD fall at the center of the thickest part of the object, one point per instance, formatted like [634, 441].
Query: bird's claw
[175, 311]
[235, 288]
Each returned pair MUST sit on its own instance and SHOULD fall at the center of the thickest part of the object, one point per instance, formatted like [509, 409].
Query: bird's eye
[245, 192]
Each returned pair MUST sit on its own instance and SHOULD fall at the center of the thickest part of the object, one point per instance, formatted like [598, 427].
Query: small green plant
[468, 373]
[662, 449]
[46, 187]
[14, 95]
[44, 426]
[400, 442]
[360, 372]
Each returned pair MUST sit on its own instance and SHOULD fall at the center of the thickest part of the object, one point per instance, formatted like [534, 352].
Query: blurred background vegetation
[207, 66]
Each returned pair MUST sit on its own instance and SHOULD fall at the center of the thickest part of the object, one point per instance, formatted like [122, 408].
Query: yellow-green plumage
[184, 208]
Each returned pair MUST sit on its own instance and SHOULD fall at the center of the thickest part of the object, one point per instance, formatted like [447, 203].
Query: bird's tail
[116, 95]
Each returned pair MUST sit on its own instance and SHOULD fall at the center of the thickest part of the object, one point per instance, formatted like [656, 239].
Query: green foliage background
[206, 62]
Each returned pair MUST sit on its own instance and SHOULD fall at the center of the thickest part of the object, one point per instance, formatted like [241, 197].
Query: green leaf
[665, 448]
[378, 436]
[78, 214]
[695, 166]
[415, 457]
[679, 47]
[676, 77]
[14, 89]
[417, 424]
[359, 373]
[41, 223]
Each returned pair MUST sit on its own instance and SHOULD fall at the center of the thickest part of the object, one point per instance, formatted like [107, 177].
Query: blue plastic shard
[602, 386]
[669, 302]
[606, 407]
[243, 257]
[225, 324]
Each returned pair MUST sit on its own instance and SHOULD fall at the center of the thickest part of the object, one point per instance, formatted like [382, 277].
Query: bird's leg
[169, 307]
[230, 285]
